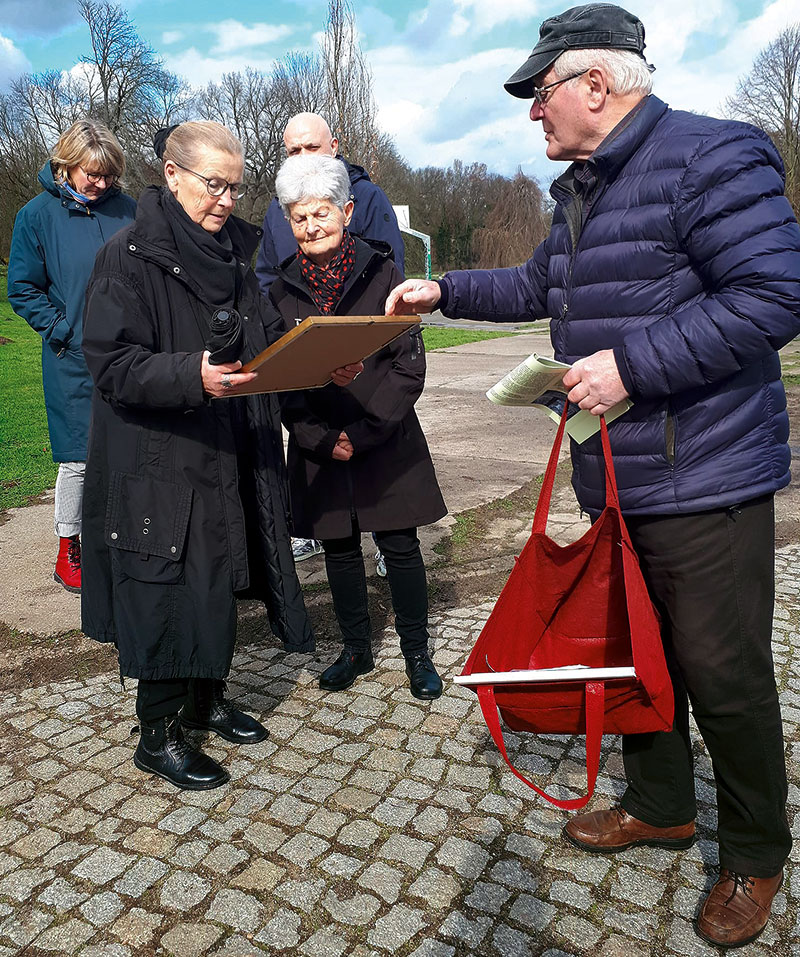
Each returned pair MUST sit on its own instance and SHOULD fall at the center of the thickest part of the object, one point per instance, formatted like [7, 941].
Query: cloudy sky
[438, 65]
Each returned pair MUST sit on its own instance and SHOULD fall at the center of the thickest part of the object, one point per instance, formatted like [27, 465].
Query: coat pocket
[146, 525]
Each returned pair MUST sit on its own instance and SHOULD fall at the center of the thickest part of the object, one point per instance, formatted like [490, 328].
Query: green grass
[26, 465]
[436, 337]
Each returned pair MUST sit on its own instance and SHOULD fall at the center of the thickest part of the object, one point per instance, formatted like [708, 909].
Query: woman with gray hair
[186, 504]
[358, 460]
[56, 238]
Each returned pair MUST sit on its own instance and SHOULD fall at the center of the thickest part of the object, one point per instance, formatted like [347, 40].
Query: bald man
[373, 216]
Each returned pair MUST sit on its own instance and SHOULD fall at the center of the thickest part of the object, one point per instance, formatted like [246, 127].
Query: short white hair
[627, 72]
[312, 176]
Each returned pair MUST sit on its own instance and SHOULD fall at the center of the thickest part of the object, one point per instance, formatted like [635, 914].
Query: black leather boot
[162, 750]
[207, 709]
[423, 678]
[347, 667]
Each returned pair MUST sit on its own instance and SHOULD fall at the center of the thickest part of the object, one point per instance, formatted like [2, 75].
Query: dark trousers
[405, 571]
[711, 577]
[160, 699]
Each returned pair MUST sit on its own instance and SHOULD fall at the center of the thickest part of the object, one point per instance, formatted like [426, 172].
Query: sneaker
[380, 564]
[68, 564]
[303, 548]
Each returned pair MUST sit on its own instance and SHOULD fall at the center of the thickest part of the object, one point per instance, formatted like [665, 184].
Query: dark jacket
[185, 502]
[373, 218]
[389, 483]
[675, 247]
[53, 247]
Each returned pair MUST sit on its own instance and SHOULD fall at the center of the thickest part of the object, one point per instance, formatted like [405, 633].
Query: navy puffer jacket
[687, 264]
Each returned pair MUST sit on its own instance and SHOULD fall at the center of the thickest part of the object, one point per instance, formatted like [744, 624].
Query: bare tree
[769, 97]
[515, 225]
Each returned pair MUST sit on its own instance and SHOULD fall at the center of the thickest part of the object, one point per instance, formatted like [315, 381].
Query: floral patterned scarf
[327, 285]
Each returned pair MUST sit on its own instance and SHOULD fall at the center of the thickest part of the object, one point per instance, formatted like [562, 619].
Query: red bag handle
[595, 713]
[543, 505]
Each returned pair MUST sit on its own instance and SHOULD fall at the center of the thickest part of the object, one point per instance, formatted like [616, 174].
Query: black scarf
[207, 257]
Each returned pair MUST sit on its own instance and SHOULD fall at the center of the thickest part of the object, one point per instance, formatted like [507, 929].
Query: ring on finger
[226, 381]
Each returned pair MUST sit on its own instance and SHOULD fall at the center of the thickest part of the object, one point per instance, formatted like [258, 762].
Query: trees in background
[769, 97]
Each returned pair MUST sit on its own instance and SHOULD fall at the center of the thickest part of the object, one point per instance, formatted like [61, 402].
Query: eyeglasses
[217, 187]
[540, 93]
[94, 178]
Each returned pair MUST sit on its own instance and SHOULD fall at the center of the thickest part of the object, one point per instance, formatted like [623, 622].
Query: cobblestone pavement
[368, 823]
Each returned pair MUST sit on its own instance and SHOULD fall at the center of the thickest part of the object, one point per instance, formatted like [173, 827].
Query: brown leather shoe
[737, 909]
[603, 832]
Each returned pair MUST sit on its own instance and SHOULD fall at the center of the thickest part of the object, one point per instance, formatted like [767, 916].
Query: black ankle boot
[162, 750]
[347, 667]
[207, 709]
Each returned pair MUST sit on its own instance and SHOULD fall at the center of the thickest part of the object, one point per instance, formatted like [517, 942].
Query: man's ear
[334, 146]
[598, 88]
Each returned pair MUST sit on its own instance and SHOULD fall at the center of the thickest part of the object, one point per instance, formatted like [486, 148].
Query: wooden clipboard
[305, 357]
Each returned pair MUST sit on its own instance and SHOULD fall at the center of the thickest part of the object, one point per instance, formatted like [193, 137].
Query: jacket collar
[367, 253]
[151, 237]
[613, 153]
[48, 182]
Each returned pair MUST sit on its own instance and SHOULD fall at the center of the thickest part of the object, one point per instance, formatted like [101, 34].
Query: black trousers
[405, 571]
[711, 576]
[160, 699]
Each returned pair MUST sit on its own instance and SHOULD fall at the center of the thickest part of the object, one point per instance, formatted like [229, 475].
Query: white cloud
[233, 35]
[200, 70]
[13, 62]
[172, 36]
[487, 15]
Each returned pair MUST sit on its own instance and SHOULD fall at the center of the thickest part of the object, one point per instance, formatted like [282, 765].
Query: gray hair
[311, 176]
[627, 72]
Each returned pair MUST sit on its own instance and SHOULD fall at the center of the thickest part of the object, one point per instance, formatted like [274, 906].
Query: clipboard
[305, 356]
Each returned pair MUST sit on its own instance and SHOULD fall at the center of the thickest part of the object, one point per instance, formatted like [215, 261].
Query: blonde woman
[56, 238]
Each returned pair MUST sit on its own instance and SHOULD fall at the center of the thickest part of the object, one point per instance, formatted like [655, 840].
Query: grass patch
[436, 337]
[26, 465]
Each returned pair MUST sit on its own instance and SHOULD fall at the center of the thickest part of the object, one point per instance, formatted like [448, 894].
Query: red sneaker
[68, 564]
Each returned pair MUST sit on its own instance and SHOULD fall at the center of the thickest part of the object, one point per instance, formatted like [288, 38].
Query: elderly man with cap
[671, 275]
[373, 219]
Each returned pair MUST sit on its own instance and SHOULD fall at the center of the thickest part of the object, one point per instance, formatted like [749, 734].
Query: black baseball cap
[592, 26]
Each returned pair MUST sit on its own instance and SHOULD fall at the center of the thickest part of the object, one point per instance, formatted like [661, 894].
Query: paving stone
[637, 887]
[506, 940]
[137, 927]
[62, 895]
[150, 841]
[68, 851]
[617, 946]
[591, 869]
[483, 828]
[487, 897]
[396, 928]
[395, 813]
[282, 931]
[576, 895]
[66, 938]
[535, 914]
[357, 910]
[261, 876]
[359, 834]
[102, 908]
[144, 873]
[341, 865]
[301, 894]
[264, 837]
[191, 940]
[324, 942]
[528, 848]
[303, 848]
[20, 884]
[431, 821]
[383, 880]
[290, 810]
[144, 808]
[189, 854]
[640, 924]
[387, 759]
[513, 874]
[182, 890]
[36, 843]
[224, 858]
[182, 820]
[102, 865]
[468, 932]
[433, 948]
[24, 925]
[407, 850]
[237, 909]
[354, 799]
[11, 830]
[436, 887]
[326, 823]
[466, 859]
[106, 950]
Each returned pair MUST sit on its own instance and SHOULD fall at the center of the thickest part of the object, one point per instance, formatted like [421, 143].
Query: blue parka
[373, 218]
[53, 247]
[683, 256]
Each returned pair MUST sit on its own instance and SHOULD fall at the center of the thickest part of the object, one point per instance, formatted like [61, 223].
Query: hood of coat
[368, 253]
[356, 173]
[48, 182]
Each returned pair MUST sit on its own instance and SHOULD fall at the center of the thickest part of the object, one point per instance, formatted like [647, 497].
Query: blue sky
[438, 65]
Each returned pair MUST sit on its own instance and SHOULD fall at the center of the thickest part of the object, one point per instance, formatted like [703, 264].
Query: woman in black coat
[358, 460]
[185, 503]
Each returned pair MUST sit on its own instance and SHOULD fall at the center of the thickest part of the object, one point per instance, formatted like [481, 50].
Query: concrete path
[369, 823]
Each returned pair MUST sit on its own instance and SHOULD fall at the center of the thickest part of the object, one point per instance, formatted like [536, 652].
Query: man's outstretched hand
[412, 297]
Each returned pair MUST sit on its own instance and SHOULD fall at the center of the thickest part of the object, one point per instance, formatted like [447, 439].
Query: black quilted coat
[185, 502]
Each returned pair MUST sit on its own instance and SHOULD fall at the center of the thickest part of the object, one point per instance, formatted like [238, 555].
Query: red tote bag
[580, 604]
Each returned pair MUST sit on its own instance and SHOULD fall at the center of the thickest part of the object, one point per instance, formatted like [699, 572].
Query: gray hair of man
[627, 72]
[311, 176]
